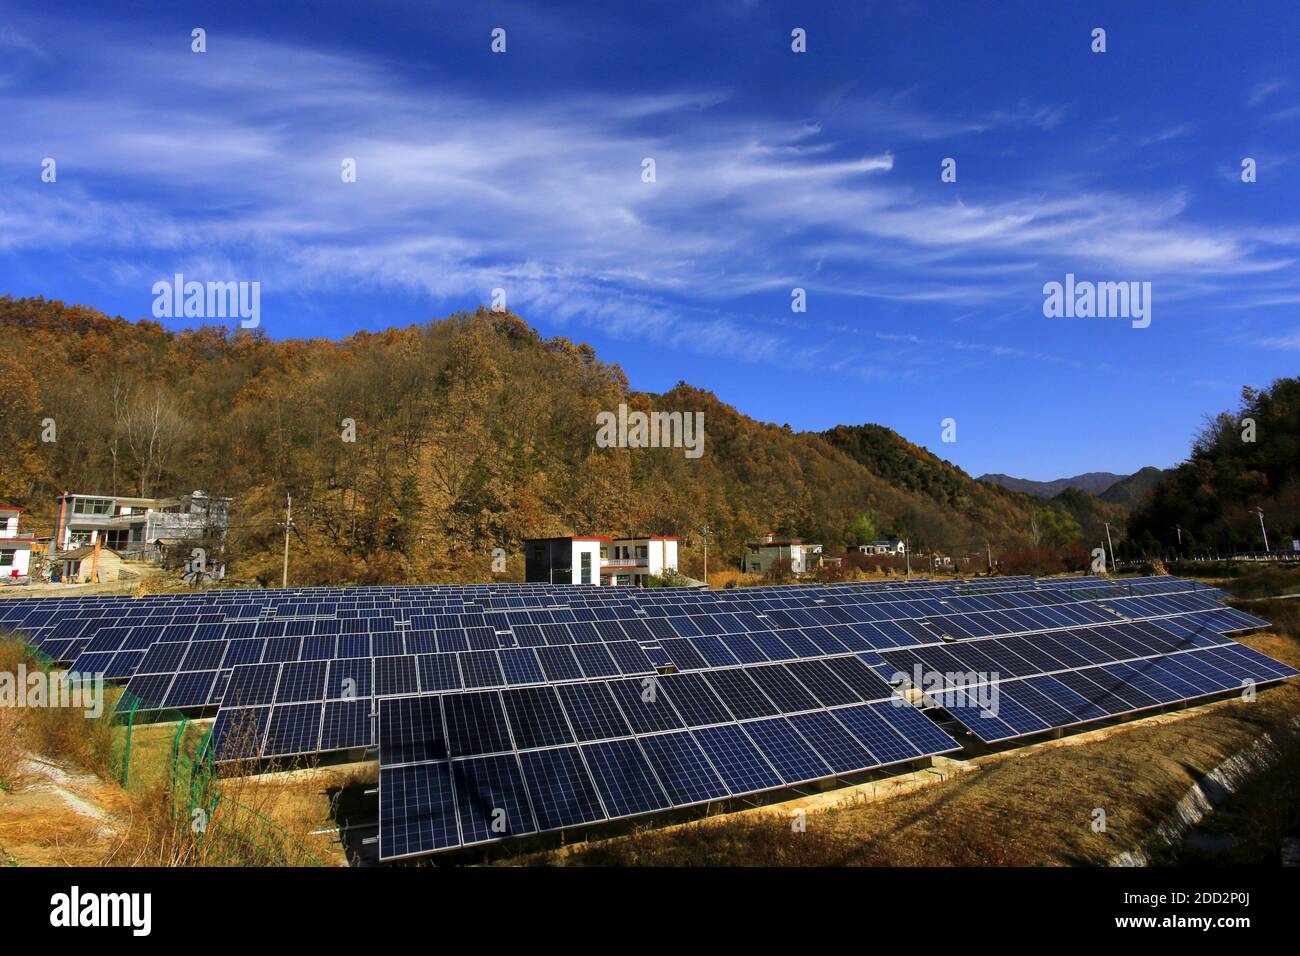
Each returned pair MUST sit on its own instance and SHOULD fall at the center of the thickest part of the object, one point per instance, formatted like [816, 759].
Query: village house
[611, 562]
[15, 547]
[137, 527]
[768, 551]
[894, 547]
[88, 564]
[630, 560]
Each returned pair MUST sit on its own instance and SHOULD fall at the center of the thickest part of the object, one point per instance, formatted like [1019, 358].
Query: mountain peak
[1093, 482]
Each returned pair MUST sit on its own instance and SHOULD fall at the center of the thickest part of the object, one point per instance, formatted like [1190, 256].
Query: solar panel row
[464, 769]
[1031, 705]
[62, 627]
[706, 650]
[688, 700]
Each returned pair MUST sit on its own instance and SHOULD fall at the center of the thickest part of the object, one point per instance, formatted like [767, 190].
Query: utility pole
[1112, 546]
[1263, 530]
[288, 524]
[907, 551]
[989, 548]
[706, 529]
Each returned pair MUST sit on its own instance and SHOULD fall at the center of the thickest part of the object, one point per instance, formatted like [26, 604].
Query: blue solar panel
[624, 778]
[683, 769]
[190, 689]
[833, 743]
[347, 724]
[476, 724]
[301, 681]
[293, 729]
[237, 733]
[520, 666]
[876, 734]
[740, 764]
[562, 792]
[1091, 648]
[411, 730]
[693, 699]
[536, 718]
[644, 707]
[417, 814]
[786, 750]
[491, 802]
[348, 678]
[593, 712]
[742, 696]
[782, 688]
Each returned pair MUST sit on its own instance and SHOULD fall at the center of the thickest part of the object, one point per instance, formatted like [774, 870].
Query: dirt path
[58, 817]
[140, 573]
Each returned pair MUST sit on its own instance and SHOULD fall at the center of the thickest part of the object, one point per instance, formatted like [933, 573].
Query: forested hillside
[470, 433]
[1132, 491]
[913, 469]
[1241, 461]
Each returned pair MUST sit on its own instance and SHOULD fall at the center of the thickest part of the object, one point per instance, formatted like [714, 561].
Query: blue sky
[774, 170]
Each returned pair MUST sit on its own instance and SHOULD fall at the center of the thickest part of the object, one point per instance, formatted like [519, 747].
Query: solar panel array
[1005, 688]
[462, 769]
[527, 700]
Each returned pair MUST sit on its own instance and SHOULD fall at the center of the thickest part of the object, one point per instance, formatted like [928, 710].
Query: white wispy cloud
[1262, 91]
[234, 157]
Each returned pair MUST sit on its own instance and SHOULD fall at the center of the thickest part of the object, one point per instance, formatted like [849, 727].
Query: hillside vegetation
[470, 433]
[1132, 491]
[413, 452]
[1241, 460]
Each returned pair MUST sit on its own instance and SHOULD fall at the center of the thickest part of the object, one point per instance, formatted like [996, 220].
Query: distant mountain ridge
[1093, 482]
[1132, 492]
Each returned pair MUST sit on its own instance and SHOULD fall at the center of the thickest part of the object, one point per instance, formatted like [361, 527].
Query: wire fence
[165, 755]
[216, 827]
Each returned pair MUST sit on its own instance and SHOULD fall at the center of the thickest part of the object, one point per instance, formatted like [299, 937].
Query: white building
[15, 547]
[895, 547]
[593, 559]
[629, 561]
[565, 560]
[768, 550]
[134, 526]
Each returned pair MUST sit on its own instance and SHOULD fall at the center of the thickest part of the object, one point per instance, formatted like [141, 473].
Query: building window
[91, 506]
[586, 567]
[8, 557]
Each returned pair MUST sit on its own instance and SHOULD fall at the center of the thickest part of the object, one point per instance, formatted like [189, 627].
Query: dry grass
[84, 817]
[186, 814]
[10, 749]
[63, 734]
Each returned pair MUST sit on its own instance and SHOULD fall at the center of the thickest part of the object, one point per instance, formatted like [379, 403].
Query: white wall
[586, 547]
[22, 561]
[662, 556]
